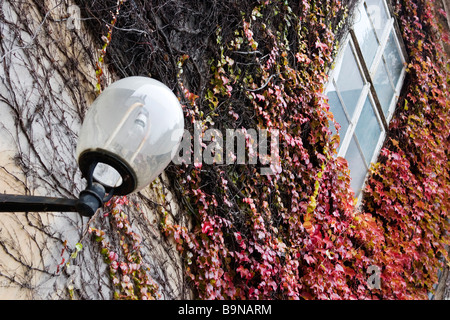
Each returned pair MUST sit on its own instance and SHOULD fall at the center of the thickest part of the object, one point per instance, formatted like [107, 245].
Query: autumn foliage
[408, 191]
[297, 234]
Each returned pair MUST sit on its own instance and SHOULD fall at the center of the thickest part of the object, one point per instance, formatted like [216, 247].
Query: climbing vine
[408, 191]
[128, 272]
[286, 235]
[295, 234]
[102, 52]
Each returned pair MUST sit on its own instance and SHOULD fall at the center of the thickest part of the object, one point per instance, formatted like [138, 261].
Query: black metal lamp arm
[90, 200]
[19, 203]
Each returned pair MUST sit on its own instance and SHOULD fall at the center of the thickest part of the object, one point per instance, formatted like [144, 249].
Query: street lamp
[128, 137]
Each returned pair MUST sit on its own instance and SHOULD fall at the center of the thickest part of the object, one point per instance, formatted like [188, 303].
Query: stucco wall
[47, 82]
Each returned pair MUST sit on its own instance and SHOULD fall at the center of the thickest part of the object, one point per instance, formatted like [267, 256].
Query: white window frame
[368, 73]
[390, 27]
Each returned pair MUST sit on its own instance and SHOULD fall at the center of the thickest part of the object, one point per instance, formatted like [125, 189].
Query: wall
[47, 76]
[48, 80]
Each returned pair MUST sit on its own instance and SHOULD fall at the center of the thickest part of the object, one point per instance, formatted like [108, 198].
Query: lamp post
[128, 137]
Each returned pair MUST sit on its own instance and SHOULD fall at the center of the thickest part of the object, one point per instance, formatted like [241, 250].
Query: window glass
[338, 111]
[366, 38]
[357, 167]
[393, 59]
[368, 131]
[378, 15]
[383, 87]
[350, 82]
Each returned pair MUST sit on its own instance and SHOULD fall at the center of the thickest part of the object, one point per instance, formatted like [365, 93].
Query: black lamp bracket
[90, 199]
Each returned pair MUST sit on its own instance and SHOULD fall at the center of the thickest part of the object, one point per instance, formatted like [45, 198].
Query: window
[364, 86]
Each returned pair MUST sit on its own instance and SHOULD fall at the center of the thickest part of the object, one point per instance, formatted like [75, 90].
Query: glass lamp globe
[130, 134]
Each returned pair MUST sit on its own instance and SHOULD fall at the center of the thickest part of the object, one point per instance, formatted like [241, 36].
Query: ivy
[297, 234]
[102, 52]
[408, 190]
[127, 271]
[275, 238]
